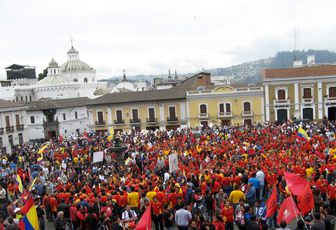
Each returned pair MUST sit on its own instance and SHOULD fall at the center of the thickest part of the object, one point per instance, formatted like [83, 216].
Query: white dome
[74, 64]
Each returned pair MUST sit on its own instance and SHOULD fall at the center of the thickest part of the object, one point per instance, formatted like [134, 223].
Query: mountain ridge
[250, 72]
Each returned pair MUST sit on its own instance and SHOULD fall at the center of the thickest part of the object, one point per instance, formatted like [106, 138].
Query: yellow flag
[110, 136]
[32, 184]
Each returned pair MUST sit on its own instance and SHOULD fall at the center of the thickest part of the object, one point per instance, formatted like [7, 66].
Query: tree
[43, 74]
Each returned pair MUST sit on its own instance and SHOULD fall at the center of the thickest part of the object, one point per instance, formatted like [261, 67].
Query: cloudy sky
[152, 36]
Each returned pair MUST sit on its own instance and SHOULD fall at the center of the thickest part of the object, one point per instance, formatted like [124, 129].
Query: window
[26, 98]
[151, 114]
[77, 131]
[21, 98]
[17, 119]
[228, 107]
[76, 115]
[1, 144]
[119, 115]
[30, 98]
[64, 117]
[32, 119]
[100, 117]
[65, 131]
[85, 80]
[224, 108]
[203, 108]
[307, 93]
[281, 94]
[75, 80]
[221, 108]
[10, 140]
[247, 106]
[135, 114]
[20, 138]
[7, 121]
[172, 112]
[332, 92]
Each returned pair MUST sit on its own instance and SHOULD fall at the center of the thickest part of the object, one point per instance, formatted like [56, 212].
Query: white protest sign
[98, 157]
[173, 162]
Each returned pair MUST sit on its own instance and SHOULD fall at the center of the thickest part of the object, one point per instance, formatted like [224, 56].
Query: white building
[127, 86]
[13, 122]
[51, 118]
[74, 78]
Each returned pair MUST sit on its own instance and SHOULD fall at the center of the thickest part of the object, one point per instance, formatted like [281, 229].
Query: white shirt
[125, 215]
[182, 217]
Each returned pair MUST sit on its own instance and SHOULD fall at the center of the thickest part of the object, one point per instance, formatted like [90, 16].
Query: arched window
[75, 80]
[203, 109]
[247, 106]
[85, 80]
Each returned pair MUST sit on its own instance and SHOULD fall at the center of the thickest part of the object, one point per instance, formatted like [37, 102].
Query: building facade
[145, 110]
[50, 118]
[303, 92]
[225, 105]
[13, 126]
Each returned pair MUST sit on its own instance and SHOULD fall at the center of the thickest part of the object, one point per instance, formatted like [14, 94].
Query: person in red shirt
[157, 210]
[332, 196]
[228, 215]
[322, 184]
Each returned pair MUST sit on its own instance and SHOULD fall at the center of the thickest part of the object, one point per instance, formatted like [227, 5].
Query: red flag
[145, 223]
[60, 138]
[271, 204]
[306, 200]
[30, 202]
[295, 183]
[288, 210]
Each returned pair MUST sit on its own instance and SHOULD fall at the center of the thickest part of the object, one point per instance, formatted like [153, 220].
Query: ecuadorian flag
[19, 183]
[110, 134]
[30, 221]
[302, 134]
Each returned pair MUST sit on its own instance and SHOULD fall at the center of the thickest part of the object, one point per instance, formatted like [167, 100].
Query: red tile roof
[305, 71]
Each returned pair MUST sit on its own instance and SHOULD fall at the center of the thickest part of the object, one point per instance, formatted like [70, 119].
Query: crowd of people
[225, 176]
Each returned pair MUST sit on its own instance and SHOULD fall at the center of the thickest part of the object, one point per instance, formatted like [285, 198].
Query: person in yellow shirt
[133, 199]
[236, 195]
[151, 194]
[309, 171]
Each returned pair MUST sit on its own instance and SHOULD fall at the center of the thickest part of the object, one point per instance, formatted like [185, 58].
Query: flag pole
[291, 197]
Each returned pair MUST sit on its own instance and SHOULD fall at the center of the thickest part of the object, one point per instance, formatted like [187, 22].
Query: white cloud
[151, 36]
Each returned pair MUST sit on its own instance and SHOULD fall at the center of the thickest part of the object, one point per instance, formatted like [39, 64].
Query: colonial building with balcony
[47, 119]
[13, 120]
[224, 105]
[300, 92]
[145, 110]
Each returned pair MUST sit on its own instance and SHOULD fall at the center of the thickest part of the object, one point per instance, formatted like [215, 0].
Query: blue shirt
[255, 182]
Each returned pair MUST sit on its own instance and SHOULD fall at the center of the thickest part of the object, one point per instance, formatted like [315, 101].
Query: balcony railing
[308, 100]
[119, 122]
[281, 101]
[1, 131]
[247, 113]
[100, 123]
[20, 127]
[172, 119]
[10, 129]
[135, 121]
[151, 120]
[203, 115]
[225, 114]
